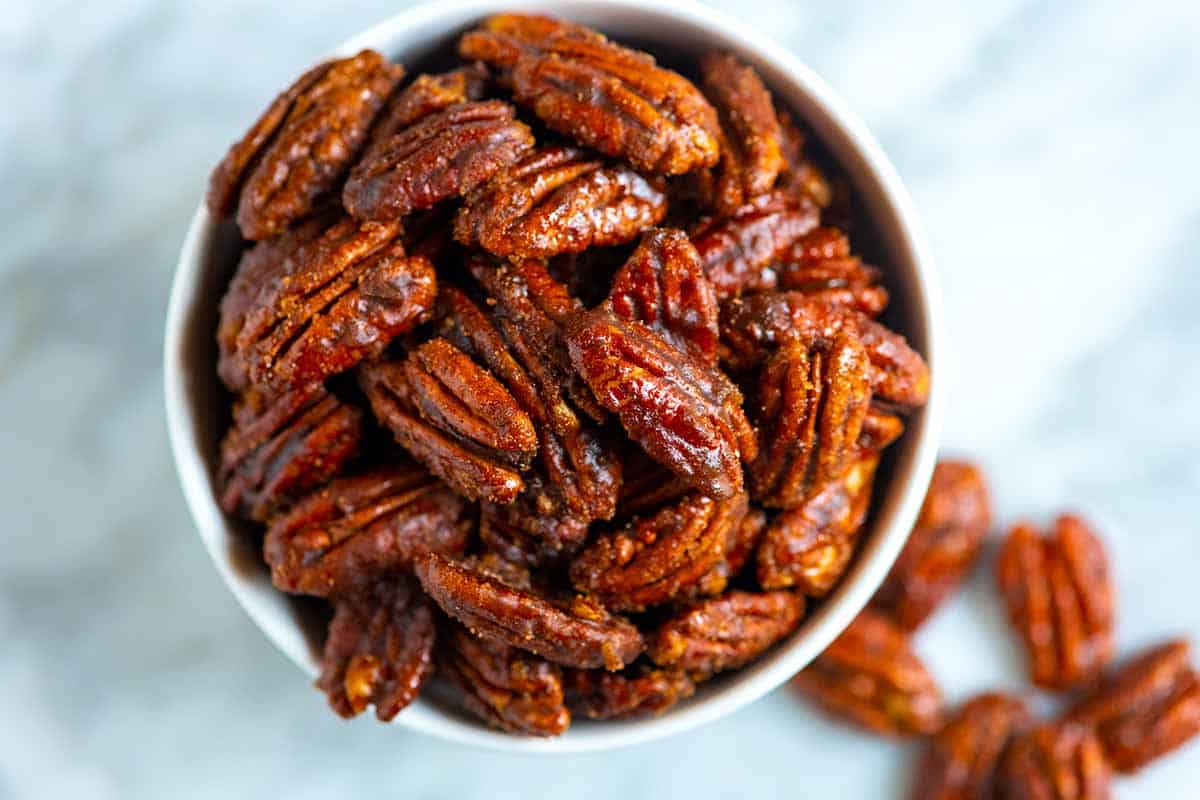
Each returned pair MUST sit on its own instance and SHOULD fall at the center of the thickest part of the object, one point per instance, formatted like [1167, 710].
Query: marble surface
[1051, 151]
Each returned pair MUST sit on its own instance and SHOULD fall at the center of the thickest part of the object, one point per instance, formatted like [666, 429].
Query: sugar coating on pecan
[1062, 761]
[820, 264]
[960, 761]
[636, 691]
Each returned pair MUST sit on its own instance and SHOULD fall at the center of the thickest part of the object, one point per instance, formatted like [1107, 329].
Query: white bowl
[195, 399]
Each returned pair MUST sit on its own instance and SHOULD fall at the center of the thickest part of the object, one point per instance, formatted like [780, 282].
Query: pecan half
[356, 529]
[300, 148]
[961, 760]
[942, 548]
[1056, 762]
[821, 265]
[1147, 708]
[281, 446]
[574, 631]
[637, 691]
[612, 99]
[725, 632]
[379, 649]
[1059, 596]
[870, 676]
[426, 95]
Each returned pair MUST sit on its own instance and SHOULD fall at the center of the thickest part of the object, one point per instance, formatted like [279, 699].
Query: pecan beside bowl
[886, 233]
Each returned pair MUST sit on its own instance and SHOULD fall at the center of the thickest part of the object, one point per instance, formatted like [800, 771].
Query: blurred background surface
[1051, 149]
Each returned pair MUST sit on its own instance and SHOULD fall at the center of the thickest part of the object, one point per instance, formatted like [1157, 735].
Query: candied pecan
[426, 95]
[752, 326]
[379, 649]
[1059, 596]
[612, 99]
[870, 676]
[820, 265]
[281, 446]
[1145, 709]
[506, 687]
[572, 631]
[751, 158]
[685, 414]
[357, 529]
[637, 691]
[654, 558]
[444, 155]
[961, 760]
[557, 200]
[809, 547]
[299, 149]
[800, 176]
[1055, 762]
[739, 250]
[879, 429]
[725, 632]
[663, 285]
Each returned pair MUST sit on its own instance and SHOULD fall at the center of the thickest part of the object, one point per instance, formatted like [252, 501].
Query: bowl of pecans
[553, 378]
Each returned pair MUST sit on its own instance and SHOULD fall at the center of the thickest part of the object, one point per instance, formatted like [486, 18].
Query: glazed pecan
[663, 285]
[300, 148]
[558, 200]
[685, 414]
[1145, 709]
[654, 558]
[426, 95]
[607, 97]
[870, 676]
[444, 155]
[379, 649]
[740, 250]
[1060, 599]
[281, 446]
[725, 632]
[358, 529]
[800, 176]
[496, 602]
[943, 545]
[961, 760]
[1056, 762]
[751, 157]
[636, 691]
[506, 687]
[820, 265]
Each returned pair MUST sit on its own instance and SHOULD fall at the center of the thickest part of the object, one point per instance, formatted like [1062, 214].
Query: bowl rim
[820, 628]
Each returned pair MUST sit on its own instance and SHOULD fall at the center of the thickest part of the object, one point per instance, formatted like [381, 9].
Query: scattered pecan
[281, 446]
[379, 649]
[961, 760]
[870, 676]
[1060, 599]
[607, 97]
[1056, 762]
[820, 265]
[495, 603]
[426, 95]
[725, 632]
[1145, 709]
[800, 177]
[636, 691]
[357, 529]
[303, 144]
[942, 548]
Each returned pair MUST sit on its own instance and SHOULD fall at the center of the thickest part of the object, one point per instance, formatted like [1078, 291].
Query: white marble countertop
[1051, 148]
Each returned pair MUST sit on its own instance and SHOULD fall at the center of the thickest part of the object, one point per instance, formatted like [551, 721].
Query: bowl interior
[197, 406]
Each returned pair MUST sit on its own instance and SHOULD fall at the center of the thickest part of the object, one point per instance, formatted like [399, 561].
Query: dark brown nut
[800, 177]
[1059, 596]
[809, 547]
[574, 631]
[725, 632]
[300, 148]
[446, 154]
[357, 530]
[1145, 709]
[506, 687]
[961, 760]
[379, 649]
[426, 95]
[751, 157]
[281, 446]
[870, 677]
[740, 250]
[811, 402]
[655, 558]
[880, 429]
[615, 100]
[663, 285]
[558, 200]
[685, 414]
[942, 548]
[1056, 762]
[751, 327]
[637, 691]
[820, 265]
